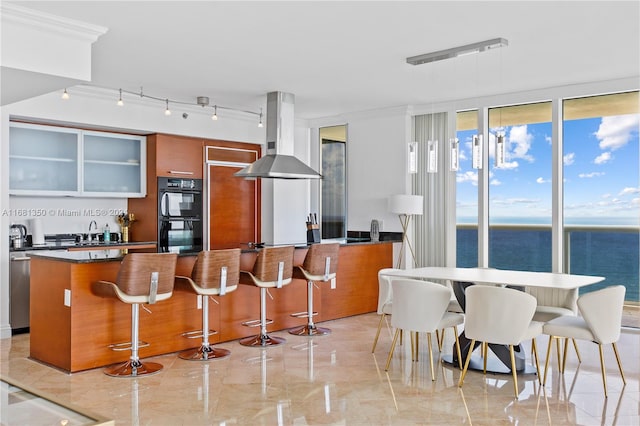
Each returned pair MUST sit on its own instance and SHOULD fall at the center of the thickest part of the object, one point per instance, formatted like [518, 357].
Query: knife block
[313, 234]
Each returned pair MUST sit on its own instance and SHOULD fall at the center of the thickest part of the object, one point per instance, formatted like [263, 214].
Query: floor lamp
[405, 206]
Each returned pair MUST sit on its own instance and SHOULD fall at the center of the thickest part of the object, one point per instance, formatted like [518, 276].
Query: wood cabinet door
[233, 208]
[179, 156]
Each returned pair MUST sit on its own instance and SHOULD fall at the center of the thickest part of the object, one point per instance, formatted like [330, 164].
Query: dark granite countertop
[66, 245]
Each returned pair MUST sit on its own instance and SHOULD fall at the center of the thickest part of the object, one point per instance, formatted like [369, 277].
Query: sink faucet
[95, 225]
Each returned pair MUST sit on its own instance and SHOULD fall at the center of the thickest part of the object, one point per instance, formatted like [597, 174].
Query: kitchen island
[71, 327]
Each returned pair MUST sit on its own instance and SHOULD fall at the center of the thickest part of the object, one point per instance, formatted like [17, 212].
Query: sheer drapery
[429, 230]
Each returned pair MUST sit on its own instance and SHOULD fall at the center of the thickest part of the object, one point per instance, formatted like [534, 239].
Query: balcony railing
[608, 251]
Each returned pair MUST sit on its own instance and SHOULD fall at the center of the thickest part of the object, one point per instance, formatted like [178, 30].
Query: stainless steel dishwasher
[19, 292]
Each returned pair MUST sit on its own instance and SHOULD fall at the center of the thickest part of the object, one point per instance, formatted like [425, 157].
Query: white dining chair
[385, 300]
[502, 316]
[554, 303]
[600, 322]
[421, 307]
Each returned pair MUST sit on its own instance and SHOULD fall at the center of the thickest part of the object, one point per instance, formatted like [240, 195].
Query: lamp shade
[405, 204]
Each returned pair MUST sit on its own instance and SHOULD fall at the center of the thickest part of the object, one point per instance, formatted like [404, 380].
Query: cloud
[515, 201]
[467, 177]
[519, 143]
[603, 158]
[542, 180]
[615, 132]
[495, 182]
[569, 158]
[629, 190]
[510, 165]
[591, 175]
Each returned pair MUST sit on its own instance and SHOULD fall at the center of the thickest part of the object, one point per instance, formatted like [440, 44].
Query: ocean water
[613, 255]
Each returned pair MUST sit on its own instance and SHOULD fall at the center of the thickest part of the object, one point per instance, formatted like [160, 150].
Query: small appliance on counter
[18, 236]
[37, 234]
[375, 230]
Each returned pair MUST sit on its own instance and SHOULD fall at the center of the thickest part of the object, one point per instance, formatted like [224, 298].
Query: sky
[601, 173]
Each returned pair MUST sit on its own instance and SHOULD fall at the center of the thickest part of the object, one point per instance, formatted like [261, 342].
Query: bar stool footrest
[197, 334]
[304, 314]
[126, 346]
[256, 323]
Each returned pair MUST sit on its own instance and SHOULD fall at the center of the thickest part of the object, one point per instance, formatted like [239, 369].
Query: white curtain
[430, 234]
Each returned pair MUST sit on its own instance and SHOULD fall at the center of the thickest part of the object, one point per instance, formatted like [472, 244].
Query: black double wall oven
[180, 215]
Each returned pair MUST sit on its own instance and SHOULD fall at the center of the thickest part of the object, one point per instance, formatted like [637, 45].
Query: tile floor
[336, 380]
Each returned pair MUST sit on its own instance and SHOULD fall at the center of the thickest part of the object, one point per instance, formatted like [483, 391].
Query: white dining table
[499, 277]
[462, 277]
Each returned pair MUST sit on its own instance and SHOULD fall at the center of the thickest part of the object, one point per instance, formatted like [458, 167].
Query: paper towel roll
[37, 235]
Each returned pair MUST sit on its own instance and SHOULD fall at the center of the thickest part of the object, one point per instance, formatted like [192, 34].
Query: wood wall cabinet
[177, 156]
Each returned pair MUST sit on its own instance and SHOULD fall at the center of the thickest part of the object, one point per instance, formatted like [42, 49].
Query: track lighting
[167, 111]
[214, 117]
[120, 103]
[260, 122]
[65, 95]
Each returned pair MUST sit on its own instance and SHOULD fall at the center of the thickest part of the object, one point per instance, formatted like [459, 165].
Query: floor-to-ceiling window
[601, 189]
[520, 187]
[334, 175]
[466, 192]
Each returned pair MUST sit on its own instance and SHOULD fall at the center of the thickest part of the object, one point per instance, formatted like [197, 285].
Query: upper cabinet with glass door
[113, 164]
[55, 161]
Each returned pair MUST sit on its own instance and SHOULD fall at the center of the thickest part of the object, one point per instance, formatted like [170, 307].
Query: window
[466, 192]
[334, 175]
[601, 189]
[520, 190]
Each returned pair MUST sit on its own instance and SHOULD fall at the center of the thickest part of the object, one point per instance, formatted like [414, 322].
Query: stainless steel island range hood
[279, 161]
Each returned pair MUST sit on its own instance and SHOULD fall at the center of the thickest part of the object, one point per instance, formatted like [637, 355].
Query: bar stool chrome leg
[262, 339]
[205, 351]
[134, 367]
[309, 329]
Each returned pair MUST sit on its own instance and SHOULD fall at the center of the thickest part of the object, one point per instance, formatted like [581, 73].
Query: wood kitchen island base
[71, 327]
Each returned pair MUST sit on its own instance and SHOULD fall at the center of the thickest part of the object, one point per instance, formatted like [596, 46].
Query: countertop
[111, 252]
[70, 245]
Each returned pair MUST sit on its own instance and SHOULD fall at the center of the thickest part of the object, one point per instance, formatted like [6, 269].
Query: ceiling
[340, 57]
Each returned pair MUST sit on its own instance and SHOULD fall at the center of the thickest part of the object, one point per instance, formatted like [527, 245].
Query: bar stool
[273, 269]
[143, 278]
[215, 273]
[320, 264]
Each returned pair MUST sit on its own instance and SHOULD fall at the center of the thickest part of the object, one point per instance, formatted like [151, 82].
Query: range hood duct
[279, 161]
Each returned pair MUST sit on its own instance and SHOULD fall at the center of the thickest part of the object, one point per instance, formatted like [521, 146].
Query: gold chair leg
[546, 361]
[484, 356]
[534, 348]
[575, 346]
[455, 330]
[615, 350]
[393, 346]
[564, 353]
[604, 372]
[375, 341]
[433, 376]
[438, 339]
[466, 364]
[513, 370]
[560, 366]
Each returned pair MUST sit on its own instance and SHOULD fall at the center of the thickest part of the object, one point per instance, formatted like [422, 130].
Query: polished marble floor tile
[336, 380]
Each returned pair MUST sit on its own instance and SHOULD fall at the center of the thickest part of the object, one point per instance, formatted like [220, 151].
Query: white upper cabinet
[47, 160]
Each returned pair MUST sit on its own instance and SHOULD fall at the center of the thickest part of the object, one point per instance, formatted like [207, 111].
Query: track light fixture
[454, 52]
[202, 101]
